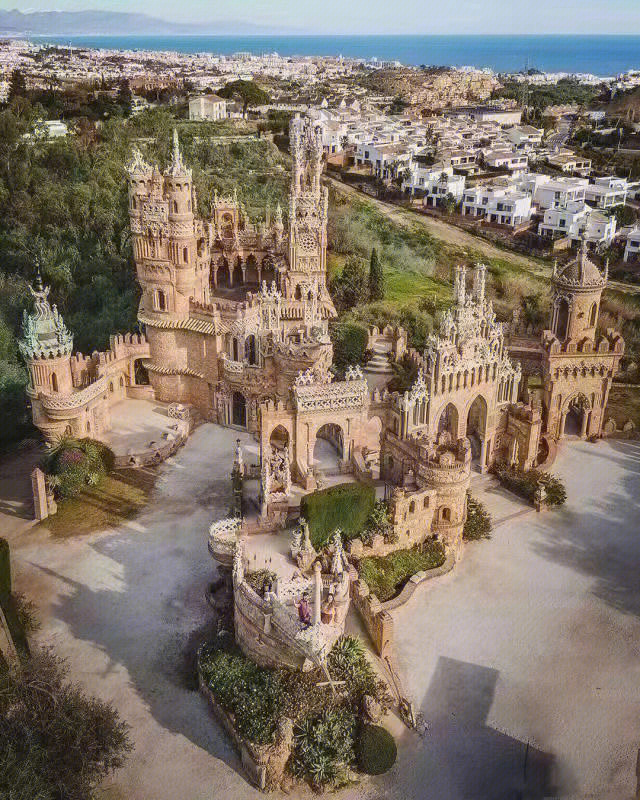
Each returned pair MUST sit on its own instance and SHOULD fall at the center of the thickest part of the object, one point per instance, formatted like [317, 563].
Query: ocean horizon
[602, 55]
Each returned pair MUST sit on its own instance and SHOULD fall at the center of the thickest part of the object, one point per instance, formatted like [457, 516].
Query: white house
[632, 248]
[436, 182]
[207, 107]
[607, 192]
[557, 192]
[570, 162]
[524, 137]
[577, 220]
[500, 204]
[506, 159]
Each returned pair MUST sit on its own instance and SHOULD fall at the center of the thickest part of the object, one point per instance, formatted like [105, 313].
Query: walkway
[524, 660]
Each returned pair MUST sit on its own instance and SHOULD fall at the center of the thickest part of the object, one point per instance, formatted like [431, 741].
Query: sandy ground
[533, 638]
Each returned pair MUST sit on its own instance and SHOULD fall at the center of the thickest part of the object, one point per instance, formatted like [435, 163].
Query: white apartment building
[577, 220]
[207, 107]
[607, 192]
[570, 162]
[558, 192]
[524, 137]
[436, 182]
[632, 248]
[506, 159]
[503, 205]
[385, 158]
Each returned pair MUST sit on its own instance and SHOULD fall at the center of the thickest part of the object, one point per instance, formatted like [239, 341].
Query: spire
[479, 278]
[177, 167]
[278, 218]
[44, 334]
[460, 286]
[137, 165]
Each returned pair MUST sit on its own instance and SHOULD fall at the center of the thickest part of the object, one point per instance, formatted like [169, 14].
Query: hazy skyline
[377, 17]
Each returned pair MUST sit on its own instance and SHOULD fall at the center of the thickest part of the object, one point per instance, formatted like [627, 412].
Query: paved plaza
[533, 638]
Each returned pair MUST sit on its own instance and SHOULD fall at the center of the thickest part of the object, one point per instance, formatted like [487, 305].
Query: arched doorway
[577, 417]
[238, 278]
[239, 410]
[279, 439]
[140, 372]
[448, 421]
[477, 427]
[223, 276]
[250, 349]
[329, 448]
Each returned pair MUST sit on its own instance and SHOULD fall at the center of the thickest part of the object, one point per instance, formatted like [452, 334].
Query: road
[458, 237]
[534, 638]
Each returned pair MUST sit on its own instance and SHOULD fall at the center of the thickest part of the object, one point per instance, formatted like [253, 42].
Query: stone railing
[152, 455]
[53, 403]
[330, 396]
[223, 538]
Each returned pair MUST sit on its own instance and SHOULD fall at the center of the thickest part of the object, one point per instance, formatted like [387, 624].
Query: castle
[236, 319]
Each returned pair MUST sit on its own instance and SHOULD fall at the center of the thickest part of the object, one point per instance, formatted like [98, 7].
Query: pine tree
[17, 85]
[376, 278]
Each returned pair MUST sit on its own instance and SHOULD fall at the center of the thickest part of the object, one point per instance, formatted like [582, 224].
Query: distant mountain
[83, 23]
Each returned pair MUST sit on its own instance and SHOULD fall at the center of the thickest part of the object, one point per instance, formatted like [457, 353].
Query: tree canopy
[246, 92]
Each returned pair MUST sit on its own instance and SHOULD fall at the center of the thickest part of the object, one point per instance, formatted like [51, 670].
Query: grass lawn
[387, 575]
[118, 497]
[346, 506]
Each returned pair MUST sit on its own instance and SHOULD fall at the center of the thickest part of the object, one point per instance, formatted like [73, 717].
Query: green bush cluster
[376, 750]
[252, 694]
[349, 341]
[525, 483]
[346, 506]
[71, 464]
[260, 580]
[478, 523]
[387, 575]
[324, 747]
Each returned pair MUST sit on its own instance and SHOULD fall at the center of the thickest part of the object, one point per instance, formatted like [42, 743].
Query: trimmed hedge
[346, 506]
[376, 750]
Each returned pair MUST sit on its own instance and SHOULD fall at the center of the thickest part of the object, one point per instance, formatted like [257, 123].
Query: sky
[380, 16]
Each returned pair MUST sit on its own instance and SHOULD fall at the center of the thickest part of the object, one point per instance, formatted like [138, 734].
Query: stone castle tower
[580, 361]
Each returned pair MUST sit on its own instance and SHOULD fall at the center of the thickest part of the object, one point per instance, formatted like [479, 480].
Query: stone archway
[575, 419]
[279, 439]
[476, 429]
[448, 421]
[328, 449]
[239, 410]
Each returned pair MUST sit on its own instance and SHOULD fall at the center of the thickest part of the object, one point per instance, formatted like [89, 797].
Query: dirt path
[457, 237]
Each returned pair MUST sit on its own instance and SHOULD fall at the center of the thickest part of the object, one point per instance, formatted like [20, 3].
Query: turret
[577, 289]
[46, 346]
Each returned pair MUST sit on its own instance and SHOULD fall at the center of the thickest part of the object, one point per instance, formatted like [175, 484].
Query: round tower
[577, 289]
[46, 346]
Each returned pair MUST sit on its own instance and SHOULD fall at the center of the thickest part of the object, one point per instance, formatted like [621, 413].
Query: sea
[605, 56]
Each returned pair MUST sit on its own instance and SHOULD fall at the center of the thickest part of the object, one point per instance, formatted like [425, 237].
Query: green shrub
[346, 506]
[387, 575]
[525, 484]
[251, 693]
[478, 523]
[376, 750]
[347, 662]
[349, 341]
[260, 580]
[323, 747]
[71, 464]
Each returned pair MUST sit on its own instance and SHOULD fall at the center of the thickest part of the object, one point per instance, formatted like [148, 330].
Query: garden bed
[293, 724]
[386, 576]
[526, 482]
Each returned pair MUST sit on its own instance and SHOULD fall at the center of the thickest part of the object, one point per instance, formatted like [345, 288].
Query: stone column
[483, 455]
[40, 507]
[585, 422]
[563, 419]
[317, 592]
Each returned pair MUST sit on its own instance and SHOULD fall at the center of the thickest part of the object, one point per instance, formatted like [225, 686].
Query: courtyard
[523, 660]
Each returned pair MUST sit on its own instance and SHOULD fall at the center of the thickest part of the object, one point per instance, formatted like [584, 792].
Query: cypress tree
[376, 278]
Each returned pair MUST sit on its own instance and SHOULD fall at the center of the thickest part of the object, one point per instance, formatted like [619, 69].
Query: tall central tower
[308, 206]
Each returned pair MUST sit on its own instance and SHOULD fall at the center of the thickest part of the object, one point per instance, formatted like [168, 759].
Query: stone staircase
[379, 363]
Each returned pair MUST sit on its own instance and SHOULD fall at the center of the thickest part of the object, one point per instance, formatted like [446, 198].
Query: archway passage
[477, 427]
[250, 349]
[239, 410]
[448, 421]
[141, 374]
[279, 439]
[328, 448]
[223, 276]
[576, 420]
